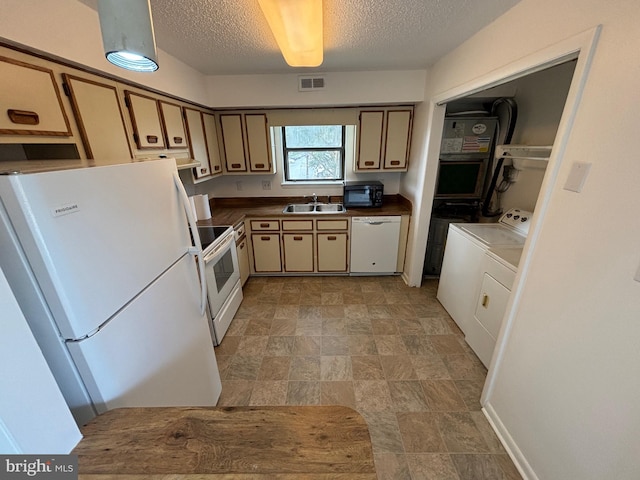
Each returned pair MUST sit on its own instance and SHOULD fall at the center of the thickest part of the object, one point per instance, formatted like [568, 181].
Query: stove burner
[209, 235]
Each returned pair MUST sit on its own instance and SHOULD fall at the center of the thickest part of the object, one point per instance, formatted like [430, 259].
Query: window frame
[285, 162]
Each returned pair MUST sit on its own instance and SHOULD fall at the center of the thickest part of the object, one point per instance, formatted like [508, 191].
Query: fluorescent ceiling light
[297, 26]
[127, 34]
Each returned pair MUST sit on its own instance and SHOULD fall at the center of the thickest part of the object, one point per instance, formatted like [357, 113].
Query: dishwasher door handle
[376, 223]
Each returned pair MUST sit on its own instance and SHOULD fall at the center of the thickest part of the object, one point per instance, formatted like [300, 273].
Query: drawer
[289, 225]
[257, 225]
[239, 231]
[340, 224]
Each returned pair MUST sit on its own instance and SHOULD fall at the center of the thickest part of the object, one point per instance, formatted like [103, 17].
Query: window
[313, 153]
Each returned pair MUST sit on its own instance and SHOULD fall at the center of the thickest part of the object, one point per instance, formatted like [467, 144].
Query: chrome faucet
[314, 198]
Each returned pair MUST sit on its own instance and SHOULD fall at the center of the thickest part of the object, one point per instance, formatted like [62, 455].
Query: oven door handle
[196, 249]
[219, 250]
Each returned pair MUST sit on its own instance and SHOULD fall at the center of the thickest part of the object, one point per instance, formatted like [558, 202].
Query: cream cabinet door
[298, 252]
[30, 101]
[243, 261]
[197, 142]
[370, 140]
[173, 125]
[145, 117]
[332, 252]
[99, 117]
[233, 142]
[266, 252]
[213, 149]
[258, 145]
[398, 136]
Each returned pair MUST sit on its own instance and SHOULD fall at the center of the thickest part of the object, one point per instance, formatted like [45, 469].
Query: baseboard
[509, 444]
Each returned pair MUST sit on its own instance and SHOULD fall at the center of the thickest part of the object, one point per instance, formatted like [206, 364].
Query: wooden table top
[216, 443]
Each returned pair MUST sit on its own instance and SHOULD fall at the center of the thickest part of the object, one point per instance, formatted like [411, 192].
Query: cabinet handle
[152, 139]
[216, 168]
[203, 171]
[177, 139]
[395, 162]
[332, 238]
[297, 239]
[236, 165]
[23, 117]
[266, 239]
[485, 300]
[259, 165]
[264, 225]
[241, 246]
[368, 164]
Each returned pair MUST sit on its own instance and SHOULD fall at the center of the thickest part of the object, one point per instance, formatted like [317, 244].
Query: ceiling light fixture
[127, 34]
[297, 26]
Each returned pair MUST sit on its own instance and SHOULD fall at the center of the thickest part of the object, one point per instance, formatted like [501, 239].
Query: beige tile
[235, 393]
[306, 345]
[396, 298]
[274, 368]
[398, 367]
[390, 345]
[379, 312]
[372, 395]
[431, 466]
[335, 345]
[384, 431]
[332, 311]
[418, 345]
[310, 312]
[477, 467]
[353, 298]
[303, 393]
[356, 312]
[228, 346]
[487, 432]
[337, 393]
[443, 396]
[391, 466]
[429, 367]
[269, 393]
[366, 367]
[447, 344]
[382, 326]
[283, 326]
[409, 326]
[258, 326]
[460, 433]
[309, 326]
[289, 298]
[463, 367]
[310, 297]
[435, 326]
[243, 367]
[359, 326]
[508, 468]
[331, 298]
[430, 310]
[305, 368]
[287, 312]
[362, 345]
[373, 298]
[279, 346]
[223, 364]
[401, 311]
[420, 432]
[252, 345]
[470, 391]
[334, 368]
[407, 396]
[334, 326]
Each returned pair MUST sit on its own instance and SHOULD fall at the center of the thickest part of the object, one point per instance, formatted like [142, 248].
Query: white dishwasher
[374, 245]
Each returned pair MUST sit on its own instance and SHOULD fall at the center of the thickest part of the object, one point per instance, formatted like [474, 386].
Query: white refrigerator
[102, 263]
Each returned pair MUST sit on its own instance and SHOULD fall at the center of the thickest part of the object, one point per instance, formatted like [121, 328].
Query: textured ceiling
[218, 37]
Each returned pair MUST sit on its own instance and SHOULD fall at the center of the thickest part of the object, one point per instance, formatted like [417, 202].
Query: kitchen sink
[314, 208]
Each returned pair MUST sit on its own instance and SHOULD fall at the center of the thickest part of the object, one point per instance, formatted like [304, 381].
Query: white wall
[564, 392]
[70, 30]
[342, 88]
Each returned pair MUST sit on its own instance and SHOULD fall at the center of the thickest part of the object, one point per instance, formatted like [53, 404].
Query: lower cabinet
[266, 252]
[243, 260]
[332, 252]
[297, 252]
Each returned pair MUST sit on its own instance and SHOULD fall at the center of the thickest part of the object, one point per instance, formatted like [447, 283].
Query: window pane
[312, 165]
[313, 136]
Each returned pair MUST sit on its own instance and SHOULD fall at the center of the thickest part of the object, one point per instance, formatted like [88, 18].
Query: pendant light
[127, 34]
[297, 27]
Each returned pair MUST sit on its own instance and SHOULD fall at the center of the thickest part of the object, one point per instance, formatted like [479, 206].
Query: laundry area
[493, 157]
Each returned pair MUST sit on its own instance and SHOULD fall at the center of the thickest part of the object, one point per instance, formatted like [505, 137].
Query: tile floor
[376, 345]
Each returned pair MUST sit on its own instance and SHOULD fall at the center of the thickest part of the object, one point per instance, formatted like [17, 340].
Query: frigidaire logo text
[60, 467]
[66, 209]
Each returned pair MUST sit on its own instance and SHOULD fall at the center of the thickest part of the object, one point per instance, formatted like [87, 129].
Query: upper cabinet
[31, 101]
[99, 117]
[203, 142]
[245, 143]
[172, 124]
[145, 118]
[384, 137]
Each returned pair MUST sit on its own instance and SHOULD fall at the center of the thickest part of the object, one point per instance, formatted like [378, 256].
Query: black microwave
[363, 194]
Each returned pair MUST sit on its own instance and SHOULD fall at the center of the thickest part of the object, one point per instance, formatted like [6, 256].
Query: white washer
[461, 274]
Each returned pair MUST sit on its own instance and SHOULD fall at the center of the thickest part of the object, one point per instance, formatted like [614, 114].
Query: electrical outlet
[266, 184]
[239, 186]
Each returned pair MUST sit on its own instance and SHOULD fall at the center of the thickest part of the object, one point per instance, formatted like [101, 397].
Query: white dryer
[462, 272]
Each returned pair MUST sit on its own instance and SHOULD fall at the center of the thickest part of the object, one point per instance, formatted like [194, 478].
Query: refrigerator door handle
[197, 251]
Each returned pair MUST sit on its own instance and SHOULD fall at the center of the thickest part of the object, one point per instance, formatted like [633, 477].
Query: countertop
[232, 211]
[214, 443]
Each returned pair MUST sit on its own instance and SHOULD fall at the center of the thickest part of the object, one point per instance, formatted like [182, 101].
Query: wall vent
[307, 84]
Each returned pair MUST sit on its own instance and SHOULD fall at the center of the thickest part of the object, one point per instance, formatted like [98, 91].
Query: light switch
[577, 176]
